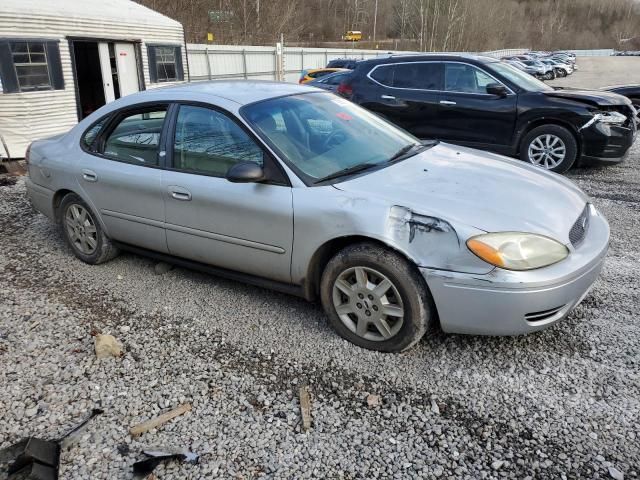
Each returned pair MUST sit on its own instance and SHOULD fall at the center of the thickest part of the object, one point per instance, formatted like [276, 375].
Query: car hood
[593, 97]
[478, 189]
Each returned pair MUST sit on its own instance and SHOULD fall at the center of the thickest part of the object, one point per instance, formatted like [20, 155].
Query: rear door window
[418, 76]
[136, 137]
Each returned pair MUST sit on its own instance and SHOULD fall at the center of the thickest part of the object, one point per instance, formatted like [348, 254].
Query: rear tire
[376, 299]
[83, 232]
[551, 147]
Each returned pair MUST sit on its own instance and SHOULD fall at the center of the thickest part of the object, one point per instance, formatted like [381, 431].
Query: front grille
[579, 228]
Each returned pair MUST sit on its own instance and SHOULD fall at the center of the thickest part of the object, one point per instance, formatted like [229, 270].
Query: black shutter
[55, 65]
[153, 66]
[7, 72]
[179, 69]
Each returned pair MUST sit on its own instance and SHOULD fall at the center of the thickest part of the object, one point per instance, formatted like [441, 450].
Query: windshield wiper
[348, 171]
[402, 153]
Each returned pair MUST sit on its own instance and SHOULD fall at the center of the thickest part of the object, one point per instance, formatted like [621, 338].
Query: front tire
[551, 147]
[375, 298]
[83, 232]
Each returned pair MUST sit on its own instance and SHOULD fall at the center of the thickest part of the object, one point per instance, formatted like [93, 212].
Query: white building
[62, 59]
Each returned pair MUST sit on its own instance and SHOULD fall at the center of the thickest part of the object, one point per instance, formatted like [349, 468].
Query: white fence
[211, 62]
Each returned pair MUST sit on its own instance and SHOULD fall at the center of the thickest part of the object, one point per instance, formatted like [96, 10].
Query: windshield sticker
[344, 116]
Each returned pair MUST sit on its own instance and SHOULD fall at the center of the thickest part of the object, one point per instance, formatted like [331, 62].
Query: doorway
[88, 77]
[104, 71]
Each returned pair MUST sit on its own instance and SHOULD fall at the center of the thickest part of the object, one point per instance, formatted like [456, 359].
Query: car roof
[242, 92]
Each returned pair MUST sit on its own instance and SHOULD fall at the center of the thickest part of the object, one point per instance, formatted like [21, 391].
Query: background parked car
[330, 82]
[312, 74]
[485, 103]
[632, 92]
[560, 69]
[349, 63]
[537, 72]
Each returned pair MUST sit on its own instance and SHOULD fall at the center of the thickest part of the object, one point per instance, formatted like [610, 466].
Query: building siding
[28, 116]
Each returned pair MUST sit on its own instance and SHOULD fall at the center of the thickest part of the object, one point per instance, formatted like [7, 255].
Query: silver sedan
[299, 190]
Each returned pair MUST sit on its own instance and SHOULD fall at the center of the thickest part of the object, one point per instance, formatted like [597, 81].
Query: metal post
[206, 52]
[326, 57]
[302, 59]
[375, 21]
[275, 64]
[244, 62]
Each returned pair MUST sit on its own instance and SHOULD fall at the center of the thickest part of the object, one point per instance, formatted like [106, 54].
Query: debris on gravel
[107, 346]
[562, 403]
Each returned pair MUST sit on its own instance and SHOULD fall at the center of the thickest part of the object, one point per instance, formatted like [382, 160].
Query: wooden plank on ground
[143, 427]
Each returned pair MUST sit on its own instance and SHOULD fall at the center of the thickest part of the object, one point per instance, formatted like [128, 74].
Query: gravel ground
[563, 403]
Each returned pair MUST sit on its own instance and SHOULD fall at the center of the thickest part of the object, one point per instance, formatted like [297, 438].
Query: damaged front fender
[433, 241]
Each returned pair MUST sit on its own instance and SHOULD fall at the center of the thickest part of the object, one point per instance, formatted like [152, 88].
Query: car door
[469, 114]
[118, 173]
[246, 227]
[409, 95]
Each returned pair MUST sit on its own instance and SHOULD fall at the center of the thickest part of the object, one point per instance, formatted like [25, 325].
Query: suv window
[418, 75]
[136, 137]
[460, 77]
[207, 141]
[383, 74]
[415, 75]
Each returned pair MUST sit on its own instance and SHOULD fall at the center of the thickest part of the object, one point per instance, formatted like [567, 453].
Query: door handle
[180, 193]
[447, 102]
[387, 97]
[89, 175]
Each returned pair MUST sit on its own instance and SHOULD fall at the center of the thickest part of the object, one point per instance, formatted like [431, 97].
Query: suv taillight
[345, 90]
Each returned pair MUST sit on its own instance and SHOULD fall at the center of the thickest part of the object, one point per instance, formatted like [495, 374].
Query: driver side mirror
[497, 89]
[246, 172]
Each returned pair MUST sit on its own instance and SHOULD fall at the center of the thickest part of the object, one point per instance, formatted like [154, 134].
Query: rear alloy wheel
[83, 232]
[550, 147]
[375, 298]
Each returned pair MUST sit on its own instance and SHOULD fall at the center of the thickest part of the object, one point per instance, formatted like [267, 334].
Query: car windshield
[520, 78]
[321, 135]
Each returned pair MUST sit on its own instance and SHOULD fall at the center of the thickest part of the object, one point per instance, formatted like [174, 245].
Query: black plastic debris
[159, 455]
[37, 459]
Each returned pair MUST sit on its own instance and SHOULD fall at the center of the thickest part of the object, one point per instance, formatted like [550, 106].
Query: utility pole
[375, 20]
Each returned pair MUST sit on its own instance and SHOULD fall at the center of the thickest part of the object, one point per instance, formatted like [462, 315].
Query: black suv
[484, 103]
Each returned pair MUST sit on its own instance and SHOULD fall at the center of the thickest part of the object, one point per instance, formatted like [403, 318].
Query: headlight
[517, 251]
[612, 118]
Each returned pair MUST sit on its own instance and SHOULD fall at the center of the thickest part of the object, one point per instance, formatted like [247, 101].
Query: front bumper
[608, 143]
[506, 302]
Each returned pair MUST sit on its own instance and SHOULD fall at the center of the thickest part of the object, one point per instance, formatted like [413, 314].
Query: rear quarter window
[383, 74]
[90, 135]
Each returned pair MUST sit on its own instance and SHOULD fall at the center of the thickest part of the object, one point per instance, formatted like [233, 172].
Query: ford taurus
[302, 191]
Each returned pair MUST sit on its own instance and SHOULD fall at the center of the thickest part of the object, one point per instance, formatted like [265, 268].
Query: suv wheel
[551, 147]
[83, 232]
[375, 298]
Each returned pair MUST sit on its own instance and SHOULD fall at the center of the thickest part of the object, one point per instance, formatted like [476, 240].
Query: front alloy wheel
[551, 147]
[368, 303]
[547, 151]
[375, 298]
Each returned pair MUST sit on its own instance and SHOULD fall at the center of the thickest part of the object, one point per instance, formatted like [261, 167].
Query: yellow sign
[210, 37]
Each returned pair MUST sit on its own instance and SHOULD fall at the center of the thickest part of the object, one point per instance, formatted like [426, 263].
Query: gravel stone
[237, 353]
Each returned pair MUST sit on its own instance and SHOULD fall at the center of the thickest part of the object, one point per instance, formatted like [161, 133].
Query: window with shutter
[30, 65]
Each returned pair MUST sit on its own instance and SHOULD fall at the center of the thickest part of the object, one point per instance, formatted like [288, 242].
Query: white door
[127, 68]
[107, 76]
